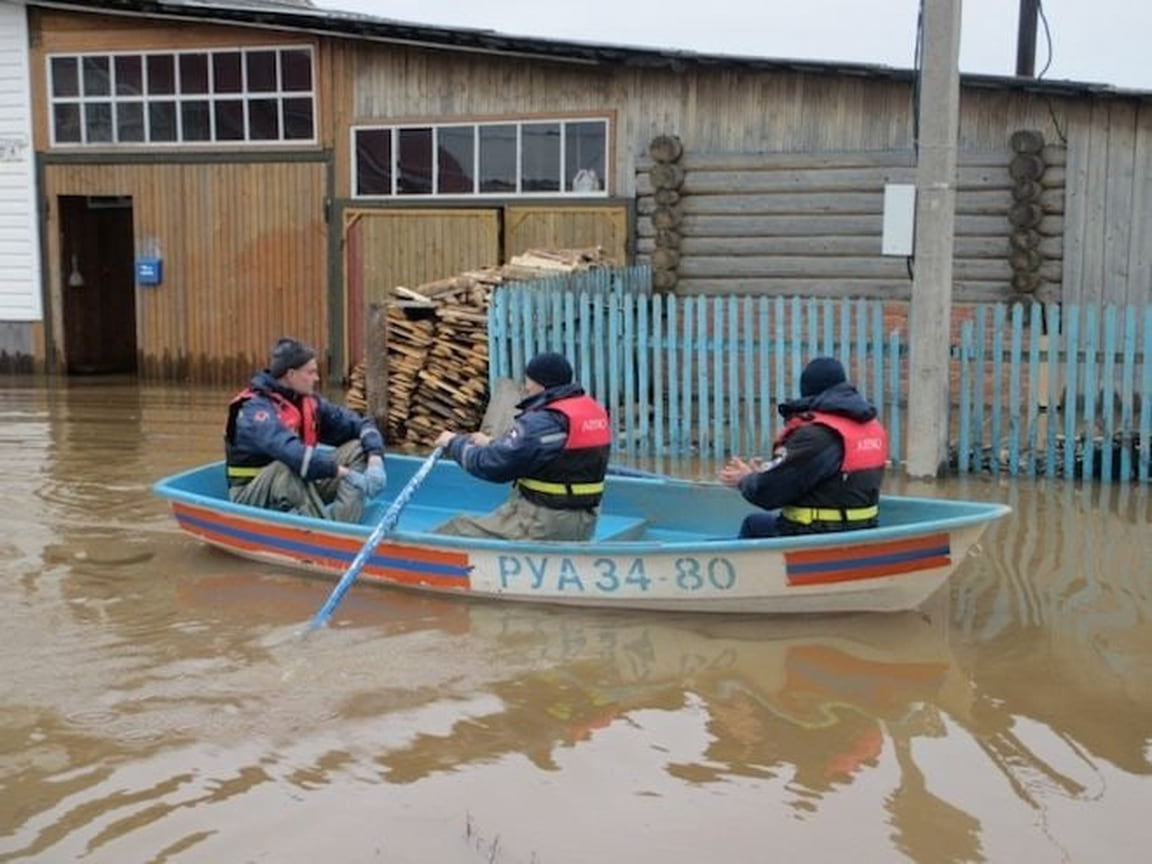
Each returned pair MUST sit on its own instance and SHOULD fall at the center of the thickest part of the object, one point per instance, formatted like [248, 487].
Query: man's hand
[355, 479]
[737, 469]
[375, 475]
[443, 438]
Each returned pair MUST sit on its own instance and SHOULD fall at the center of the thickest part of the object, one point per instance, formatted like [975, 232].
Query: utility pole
[931, 313]
[1026, 39]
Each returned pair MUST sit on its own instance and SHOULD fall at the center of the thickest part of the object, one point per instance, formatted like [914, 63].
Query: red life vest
[849, 499]
[575, 479]
[302, 421]
[865, 444]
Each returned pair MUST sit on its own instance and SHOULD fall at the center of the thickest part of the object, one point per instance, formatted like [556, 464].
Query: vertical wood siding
[244, 249]
[534, 227]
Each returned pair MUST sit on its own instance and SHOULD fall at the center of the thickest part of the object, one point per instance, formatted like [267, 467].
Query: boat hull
[661, 568]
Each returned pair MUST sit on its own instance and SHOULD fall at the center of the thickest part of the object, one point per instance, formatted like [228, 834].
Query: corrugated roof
[304, 16]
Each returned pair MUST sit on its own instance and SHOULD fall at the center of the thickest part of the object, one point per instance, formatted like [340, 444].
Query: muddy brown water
[159, 706]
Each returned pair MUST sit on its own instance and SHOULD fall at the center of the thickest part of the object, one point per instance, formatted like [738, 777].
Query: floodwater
[159, 705]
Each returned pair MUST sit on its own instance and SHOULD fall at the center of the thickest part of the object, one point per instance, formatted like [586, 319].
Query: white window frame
[112, 98]
[518, 122]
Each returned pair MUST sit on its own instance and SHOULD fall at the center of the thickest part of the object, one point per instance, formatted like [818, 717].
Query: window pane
[298, 119]
[230, 120]
[129, 76]
[130, 121]
[97, 77]
[264, 120]
[194, 73]
[162, 121]
[194, 117]
[65, 77]
[498, 158]
[66, 122]
[226, 77]
[414, 168]
[161, 74]
[98, 121]
[374, 162]
[261, 71]
[456, 169]
[585, 149]
[540, 157]
[296, 68]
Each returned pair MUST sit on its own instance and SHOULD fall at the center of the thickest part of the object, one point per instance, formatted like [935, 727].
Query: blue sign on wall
[149, 271]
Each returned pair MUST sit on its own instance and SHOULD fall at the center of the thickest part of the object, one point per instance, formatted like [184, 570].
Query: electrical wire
[1048, 98]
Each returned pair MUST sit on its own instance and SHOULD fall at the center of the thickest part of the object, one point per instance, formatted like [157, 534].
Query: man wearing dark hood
[555, 455]
[827, 463]
[272, 438]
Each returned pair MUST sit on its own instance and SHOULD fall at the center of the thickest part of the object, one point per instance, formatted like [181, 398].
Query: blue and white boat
[661, 543]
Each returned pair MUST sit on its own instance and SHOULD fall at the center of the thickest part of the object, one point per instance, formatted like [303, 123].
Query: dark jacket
[805, 470]
[530, 448]
[254, 433]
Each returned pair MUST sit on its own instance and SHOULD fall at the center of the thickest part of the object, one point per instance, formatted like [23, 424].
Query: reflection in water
[161, 703]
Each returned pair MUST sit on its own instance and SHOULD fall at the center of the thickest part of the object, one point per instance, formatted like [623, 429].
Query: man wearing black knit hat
[828, 461]
[555, 455]
[271, 443]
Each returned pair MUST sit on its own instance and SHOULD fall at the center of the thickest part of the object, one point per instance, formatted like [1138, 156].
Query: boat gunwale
[979, 513]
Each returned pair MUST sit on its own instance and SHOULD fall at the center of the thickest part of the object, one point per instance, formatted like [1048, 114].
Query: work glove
[376, 476]
[357, 480]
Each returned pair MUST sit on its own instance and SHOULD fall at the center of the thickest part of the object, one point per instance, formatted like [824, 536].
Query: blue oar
[387, 523]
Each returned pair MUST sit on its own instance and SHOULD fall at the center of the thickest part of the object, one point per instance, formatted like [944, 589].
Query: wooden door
[98, 284]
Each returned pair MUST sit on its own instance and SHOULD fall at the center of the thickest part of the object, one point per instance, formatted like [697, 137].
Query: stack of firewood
[436, 339]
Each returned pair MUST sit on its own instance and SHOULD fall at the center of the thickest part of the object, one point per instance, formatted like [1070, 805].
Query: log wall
[811, 224]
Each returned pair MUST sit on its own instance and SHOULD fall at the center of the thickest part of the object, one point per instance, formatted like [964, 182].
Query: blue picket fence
[1036, 390]
[1052, 391]
[696, 375]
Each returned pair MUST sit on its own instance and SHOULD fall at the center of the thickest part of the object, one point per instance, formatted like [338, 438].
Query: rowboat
[661, 543]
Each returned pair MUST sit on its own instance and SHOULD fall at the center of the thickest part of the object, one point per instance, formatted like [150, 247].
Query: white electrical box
[899, 219]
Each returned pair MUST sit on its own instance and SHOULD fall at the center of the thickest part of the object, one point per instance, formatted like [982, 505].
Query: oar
[387, 523]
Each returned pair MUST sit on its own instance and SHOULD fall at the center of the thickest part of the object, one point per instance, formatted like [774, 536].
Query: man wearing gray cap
[271, 443]
[555, 455]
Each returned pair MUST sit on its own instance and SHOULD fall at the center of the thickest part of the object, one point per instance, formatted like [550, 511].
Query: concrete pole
[930, 322]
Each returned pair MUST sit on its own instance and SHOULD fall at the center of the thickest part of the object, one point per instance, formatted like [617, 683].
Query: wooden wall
[810, 224]
[716, 110]
[245, 259]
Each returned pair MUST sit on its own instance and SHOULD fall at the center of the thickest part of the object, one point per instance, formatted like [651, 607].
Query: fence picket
[1014, 392]
[1107, 402]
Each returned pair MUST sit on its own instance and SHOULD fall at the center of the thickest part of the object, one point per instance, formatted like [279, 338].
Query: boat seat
[609, 527]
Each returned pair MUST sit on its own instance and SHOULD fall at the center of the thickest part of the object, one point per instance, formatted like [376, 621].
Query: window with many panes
[232, 96]
[521, 157]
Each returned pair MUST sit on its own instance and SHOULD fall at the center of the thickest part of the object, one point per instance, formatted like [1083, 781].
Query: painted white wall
[19, 225]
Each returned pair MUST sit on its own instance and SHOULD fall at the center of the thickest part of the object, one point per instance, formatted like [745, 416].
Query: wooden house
[199, 178]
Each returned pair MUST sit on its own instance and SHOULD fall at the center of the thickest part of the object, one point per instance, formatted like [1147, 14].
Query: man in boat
[827, 462]
[555, 455]
[271, 443]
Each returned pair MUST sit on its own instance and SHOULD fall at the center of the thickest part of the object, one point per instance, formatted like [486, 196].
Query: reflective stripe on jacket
[850, 498]
[301, 421]
[575, 479]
